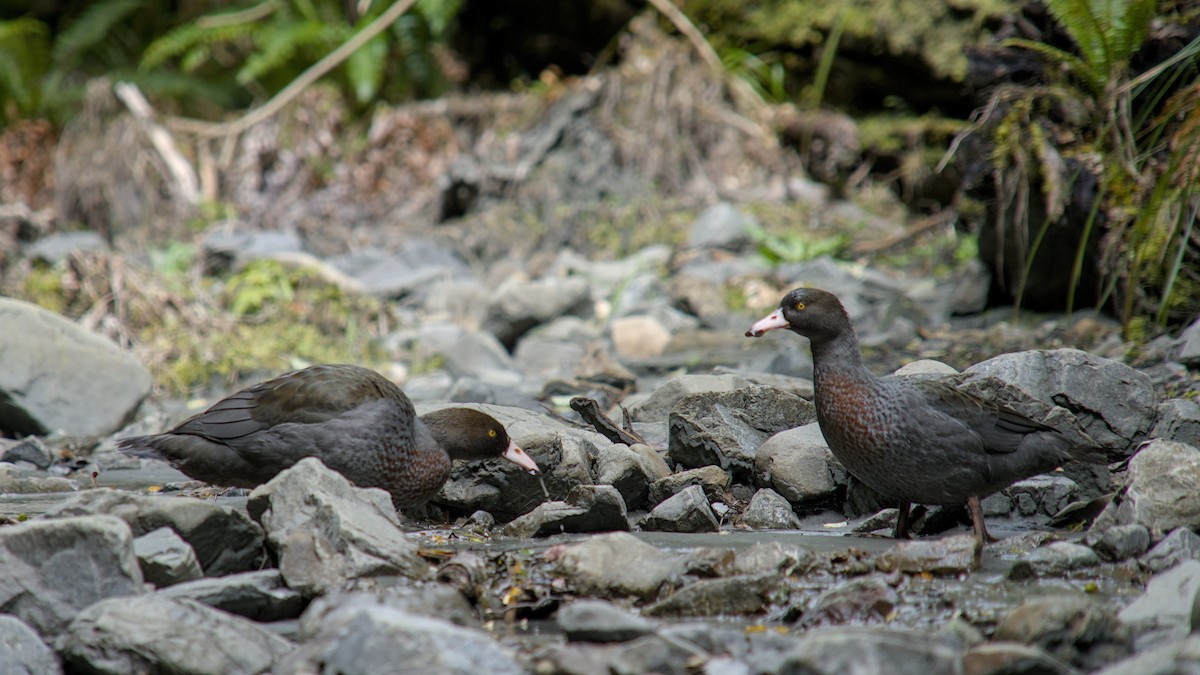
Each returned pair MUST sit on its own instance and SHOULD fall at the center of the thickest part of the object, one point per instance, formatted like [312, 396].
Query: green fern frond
[92, 28]
[365, 69]
[1055, 55]
[24, 60]
[438, 14]
[278, 46]
[182, 40]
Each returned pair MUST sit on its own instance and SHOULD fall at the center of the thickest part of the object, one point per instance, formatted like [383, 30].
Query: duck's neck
[838, 357]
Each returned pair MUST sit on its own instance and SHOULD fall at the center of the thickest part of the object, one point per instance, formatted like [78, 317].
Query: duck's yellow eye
[800, 306]
[491, 433]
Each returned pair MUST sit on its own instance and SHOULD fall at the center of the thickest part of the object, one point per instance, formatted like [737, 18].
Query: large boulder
[1162, 493]
[57, 376]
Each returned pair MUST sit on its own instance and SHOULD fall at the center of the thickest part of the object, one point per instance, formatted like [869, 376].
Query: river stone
[618, 564]
[29, 449]
[1063, 625]
[259, 596]
[165, 558]
[658, 405]
[228, 244]
[1011, 658]
[1082, 383]
[1174, 658]
[156, 634]
[638, 337]
[712, 479]
[439, 601]
[798, 464]
[1163, 490]
[325, 531]
[13, 481]
[687, 511]
[868, 599]
[399, 272]
[779, 557]
[1047, 494]
[868, 651]
[1121, 542]
[1178, 420]
[768, 510]
[54, 568]
[723, 226]
[23, 651]
[1181, 544]
[600, 621]
[587, 508]
[948, 555]
[1189, 344]
[727, 428]
[225, 540]
[740, 594]
[466, 353]
[58, 246]
[1059, 557]
[367, 638]
[57, 376]
[630, 472]
[518, 305]
[1165, 610]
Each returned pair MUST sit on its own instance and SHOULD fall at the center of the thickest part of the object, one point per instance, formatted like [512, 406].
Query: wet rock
[1078, 381]
[517, 306]
[726, 428]
[30, 449]
[1059, 557]
[600, 621]
[1163, 490]
[13, 482]
[23, 651]
[722, 226]
[1121, 542]
[866, 651]
[258, 596]
[926, 369]
[53, 569]
[630, 471]
[865, 600]
[1178, 420]
[398, 272]
[325, 531]
[224, 539]
[657, 406]
[638, 337]
[587, 508]
[56, 375]
[741, 594]
[948, 555]
[1011, 658]
[1063, 625]
[687, 511]
[156, 634]
[768, 510]
[57, 247]
[435, 600]
[618, 564]
[1175, 658]
[366, 637]
[1167, 610]
[712, 479]
[1043, 495]
[1180, 545]
[165, 558]
[777, 557]
[798, 464]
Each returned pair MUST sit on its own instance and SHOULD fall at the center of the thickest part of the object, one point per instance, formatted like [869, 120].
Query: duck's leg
[981, 533]
[902, 521]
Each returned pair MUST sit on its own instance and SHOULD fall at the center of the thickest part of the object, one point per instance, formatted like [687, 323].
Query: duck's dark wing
[1000, 429]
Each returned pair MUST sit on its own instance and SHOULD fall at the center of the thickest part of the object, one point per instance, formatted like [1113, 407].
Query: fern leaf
[1073, 63]
[277, 48]
[92, 28]
[365, 68]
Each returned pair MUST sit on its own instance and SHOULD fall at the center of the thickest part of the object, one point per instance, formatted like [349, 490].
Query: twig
[922, 225]
[314, 72]
[186, 185]
[590, 411]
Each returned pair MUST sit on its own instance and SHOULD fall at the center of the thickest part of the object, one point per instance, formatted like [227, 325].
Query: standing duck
[913, 440]
[353, 419]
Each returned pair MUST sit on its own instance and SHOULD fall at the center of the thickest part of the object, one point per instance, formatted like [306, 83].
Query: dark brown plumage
[353, 419]
[913, 440]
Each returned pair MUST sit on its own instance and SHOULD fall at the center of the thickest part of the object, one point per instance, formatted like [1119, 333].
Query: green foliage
[794, 246]
[24, 60]
[765, 73]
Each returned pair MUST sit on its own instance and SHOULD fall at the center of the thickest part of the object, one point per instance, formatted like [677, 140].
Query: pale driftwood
[183, 176]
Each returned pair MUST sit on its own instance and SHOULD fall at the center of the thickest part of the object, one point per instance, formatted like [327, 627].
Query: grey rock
[1180, 545]
[57, 376]
[155, 634]
[1058, 557]
[712, 479]
[926, 369]
[798, 464]
[741, 594]
[1165, 612]
[687, 511]
[1046, 495]
[618, 564]
[325, 531]
[869, 599]
[547, 358]
[658, 405]
[778, 557]
[727, 428]
[259, 596]
[435, 600]
[629, 471]
[225, 540]
[948, 555]
[768, 510]
[600, 621]
[166, 559]
[638, 337]
[866, 651]
[227, 245]
[587, 508]
[465, 353]
[13, 481]
[1189, 344]
[397, 273]
[371, 638]
[1063, 625]
[29, 449]
[1077, 381]
[57, 247]
[1163, 490]
[23, 651]
[967, 291]
[1121, 542]
[721, 225]
[1178, 420]
[1174, 658]
[518, 306]
[1010, 658]
[53, 569]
